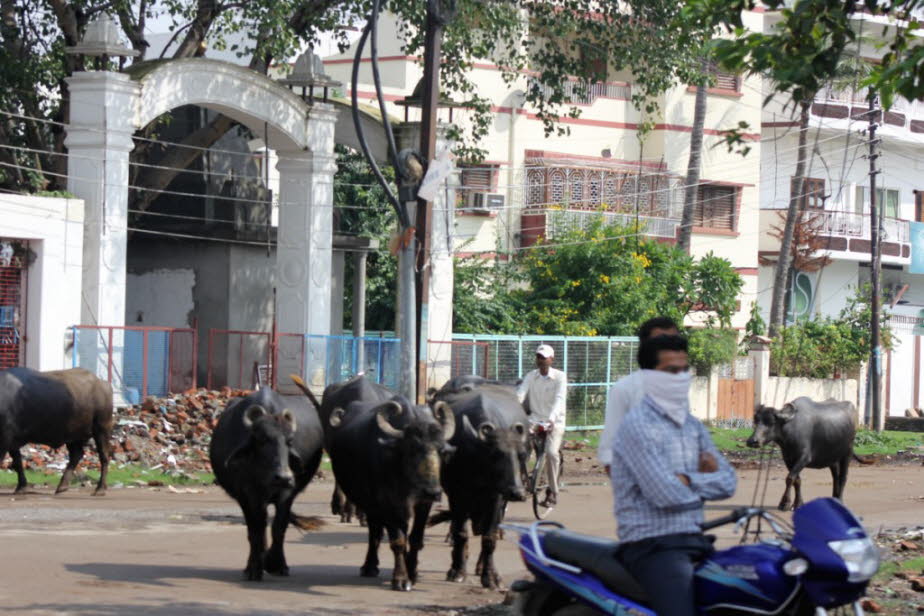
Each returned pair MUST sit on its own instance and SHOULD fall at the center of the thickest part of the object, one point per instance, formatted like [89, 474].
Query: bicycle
[537, 481]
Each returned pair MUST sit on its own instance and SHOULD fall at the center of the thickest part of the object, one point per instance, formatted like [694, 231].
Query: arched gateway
[107, 107]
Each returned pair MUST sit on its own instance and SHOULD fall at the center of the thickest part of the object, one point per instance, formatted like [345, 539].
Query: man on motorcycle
[627, 392]
[664, 467]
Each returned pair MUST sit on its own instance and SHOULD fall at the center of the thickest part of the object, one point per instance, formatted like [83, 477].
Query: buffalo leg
[459, 536]
[336, 502]
[397, 538]
[103, 446]
[21, 483]
[784, 502]
[370, 568]
[75, 454]
[274, 561]
[255, 516]
[841, 483]
[797, 484]
[489, 576]
[421, 515]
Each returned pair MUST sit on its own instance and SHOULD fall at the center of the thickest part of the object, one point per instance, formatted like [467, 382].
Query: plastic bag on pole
[439, 169]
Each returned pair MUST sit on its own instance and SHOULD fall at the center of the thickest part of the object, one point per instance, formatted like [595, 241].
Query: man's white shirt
[625, 394]
[547, 395]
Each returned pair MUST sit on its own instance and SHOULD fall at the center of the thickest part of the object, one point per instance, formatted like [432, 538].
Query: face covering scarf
[670, 392]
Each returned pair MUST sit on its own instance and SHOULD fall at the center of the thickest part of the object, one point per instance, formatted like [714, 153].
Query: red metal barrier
[242, 350]
[467, 357]
[168, 354]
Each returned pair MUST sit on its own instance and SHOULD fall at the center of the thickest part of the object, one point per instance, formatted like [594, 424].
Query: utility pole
[437, 16]
[875, 224]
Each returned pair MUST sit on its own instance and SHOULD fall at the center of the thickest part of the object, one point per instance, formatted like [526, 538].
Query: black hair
[648, 350]
[645, 329]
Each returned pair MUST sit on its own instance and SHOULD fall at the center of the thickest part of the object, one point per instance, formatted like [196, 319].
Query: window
[475, 180]
[715, 207]
[885, 197]
[813, 193]
[724, 81]
[919, 206]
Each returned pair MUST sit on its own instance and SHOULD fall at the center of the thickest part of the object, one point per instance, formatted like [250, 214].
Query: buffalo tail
[301, 385]
[439, 517]
[305, 523]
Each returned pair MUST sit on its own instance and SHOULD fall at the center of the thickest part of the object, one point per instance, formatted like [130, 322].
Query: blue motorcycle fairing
[816, 523]
[749, 577]
[582, 585]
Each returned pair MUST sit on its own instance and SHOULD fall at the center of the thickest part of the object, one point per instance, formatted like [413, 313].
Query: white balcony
[904, 115]
[559, 222]
[846, 235]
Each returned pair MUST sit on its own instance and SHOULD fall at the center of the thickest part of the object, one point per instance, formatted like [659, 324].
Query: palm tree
[695, 161]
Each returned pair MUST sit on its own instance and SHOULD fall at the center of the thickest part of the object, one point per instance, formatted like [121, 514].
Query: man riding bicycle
[545, 389]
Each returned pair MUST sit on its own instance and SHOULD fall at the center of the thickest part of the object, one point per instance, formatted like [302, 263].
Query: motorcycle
[822, 562]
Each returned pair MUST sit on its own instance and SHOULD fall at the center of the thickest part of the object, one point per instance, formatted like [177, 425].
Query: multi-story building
[836, 199]
[530, 185]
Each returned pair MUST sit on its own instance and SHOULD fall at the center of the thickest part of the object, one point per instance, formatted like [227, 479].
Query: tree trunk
[784, 261]
[693, 168]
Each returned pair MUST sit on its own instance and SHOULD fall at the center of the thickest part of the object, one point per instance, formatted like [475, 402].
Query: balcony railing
[853, 225]
[559, 222]
[581, 93]
[844, 103]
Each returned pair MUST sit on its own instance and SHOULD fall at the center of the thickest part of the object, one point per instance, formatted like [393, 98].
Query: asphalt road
[151, 551]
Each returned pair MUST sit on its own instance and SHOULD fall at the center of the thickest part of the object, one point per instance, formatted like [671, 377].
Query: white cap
[545, 350]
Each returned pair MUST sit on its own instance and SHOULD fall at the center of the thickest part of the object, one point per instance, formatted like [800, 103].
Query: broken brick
[871, 606]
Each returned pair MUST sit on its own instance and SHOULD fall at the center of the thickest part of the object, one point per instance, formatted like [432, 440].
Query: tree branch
[206, 12]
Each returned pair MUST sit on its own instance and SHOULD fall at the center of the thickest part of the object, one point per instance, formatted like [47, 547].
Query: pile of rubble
[171, 433]
[899, 586]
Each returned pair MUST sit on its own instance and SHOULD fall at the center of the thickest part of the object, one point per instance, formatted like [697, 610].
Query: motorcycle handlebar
[734, 516]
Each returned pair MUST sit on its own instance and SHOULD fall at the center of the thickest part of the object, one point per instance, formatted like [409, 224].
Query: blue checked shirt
[649, 450]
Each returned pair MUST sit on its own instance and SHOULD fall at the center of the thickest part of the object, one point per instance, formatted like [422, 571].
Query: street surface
[152, 551]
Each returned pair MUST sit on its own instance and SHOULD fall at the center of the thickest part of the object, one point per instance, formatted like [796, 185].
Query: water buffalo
[810, 434]
[484, 472]
[60, 407]
[265, 449]
[386, 457]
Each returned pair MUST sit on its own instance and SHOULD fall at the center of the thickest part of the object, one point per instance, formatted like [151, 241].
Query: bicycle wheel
[538, 484]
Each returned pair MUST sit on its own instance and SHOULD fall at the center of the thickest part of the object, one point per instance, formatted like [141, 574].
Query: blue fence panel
[592, 365]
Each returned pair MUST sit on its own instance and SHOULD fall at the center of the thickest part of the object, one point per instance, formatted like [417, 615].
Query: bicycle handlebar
[735, 515]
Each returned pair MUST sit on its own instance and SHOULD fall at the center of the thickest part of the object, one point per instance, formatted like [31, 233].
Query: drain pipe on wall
[517, 99]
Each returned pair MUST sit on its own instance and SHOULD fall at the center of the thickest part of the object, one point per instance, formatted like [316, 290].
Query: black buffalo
[61, 407]
[484, 471]
[810, 434]
[386, 458]
[265, 449]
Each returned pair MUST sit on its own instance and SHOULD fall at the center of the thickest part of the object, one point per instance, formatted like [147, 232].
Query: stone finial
[308, 72]
[102, 38]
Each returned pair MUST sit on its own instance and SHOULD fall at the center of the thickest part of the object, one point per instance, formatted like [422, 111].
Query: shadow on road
[163, 609]
[301, 578]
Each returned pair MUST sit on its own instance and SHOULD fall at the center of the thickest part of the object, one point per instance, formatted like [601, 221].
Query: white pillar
[304, 252]
[99, 139]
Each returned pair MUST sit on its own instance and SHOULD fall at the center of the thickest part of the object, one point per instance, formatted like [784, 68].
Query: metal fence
[592, 365]
[458, 357]
[331, 359]
[234, 355]
[138, 361]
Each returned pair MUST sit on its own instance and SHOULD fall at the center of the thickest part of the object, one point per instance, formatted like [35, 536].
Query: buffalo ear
[252, 414]
[336, 417]
[520, 430]
[786, 413]
[289, 418]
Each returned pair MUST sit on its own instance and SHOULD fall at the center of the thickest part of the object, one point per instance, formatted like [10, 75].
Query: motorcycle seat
[594, 555]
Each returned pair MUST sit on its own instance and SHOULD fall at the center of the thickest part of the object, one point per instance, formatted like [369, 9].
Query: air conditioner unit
[483, 201]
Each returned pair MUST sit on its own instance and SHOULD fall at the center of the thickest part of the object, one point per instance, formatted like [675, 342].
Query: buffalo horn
[336, 417]
[443, 413]
[467, 425]
[252, 414]
[486, 430]
[381, 418]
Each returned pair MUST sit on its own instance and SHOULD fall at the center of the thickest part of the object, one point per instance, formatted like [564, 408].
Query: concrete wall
[54, 228]
[781, 390]
[700, 403]
[160, 298]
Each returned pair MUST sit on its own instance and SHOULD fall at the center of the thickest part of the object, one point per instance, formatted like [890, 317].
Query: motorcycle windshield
[818, 524]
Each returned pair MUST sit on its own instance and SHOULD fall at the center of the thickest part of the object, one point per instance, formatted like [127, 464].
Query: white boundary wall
[54, 228]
